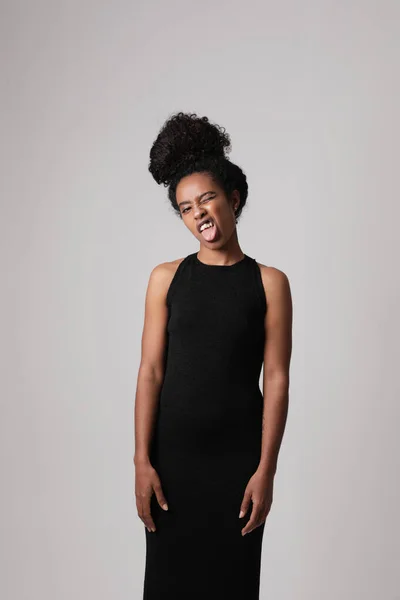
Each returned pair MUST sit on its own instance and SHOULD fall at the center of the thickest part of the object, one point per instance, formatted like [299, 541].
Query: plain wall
[309, 92]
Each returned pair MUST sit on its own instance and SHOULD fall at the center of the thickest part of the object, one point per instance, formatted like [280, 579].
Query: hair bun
[183, 139]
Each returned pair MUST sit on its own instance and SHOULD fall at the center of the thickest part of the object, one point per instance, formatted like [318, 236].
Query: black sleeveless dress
[207, 436]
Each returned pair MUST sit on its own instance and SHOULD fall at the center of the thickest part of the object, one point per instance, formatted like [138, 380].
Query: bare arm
[149, 382]
[277, 355]
[151, 370]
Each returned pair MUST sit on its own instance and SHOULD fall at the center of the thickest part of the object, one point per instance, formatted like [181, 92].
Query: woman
[206, 438]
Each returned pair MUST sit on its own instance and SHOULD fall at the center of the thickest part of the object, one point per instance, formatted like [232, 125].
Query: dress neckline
[223, 267]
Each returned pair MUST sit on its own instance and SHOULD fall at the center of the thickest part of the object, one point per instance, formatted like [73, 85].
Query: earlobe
[235, 201]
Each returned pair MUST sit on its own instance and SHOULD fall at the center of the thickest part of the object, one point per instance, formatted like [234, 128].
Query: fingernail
[241, 514]
[165, 506]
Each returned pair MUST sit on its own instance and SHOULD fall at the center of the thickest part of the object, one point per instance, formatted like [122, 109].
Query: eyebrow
[199, 197]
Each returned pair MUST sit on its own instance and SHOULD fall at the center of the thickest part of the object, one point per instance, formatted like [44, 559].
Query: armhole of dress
[173, 283]
[260, 287]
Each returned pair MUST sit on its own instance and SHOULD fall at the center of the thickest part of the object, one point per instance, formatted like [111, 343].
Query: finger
[160, 496]
[140, 510]
[245, 504]
[145, 513]
[253, 521]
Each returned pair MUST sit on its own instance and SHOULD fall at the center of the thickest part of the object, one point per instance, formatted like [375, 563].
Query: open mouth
[208, 230]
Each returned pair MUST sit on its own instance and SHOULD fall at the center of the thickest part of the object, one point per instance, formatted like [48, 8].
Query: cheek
[225, 218]
[190, 224]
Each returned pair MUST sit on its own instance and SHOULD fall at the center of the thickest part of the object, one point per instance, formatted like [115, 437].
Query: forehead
[195, 184]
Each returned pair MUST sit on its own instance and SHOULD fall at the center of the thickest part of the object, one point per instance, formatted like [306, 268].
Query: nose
[199, 212]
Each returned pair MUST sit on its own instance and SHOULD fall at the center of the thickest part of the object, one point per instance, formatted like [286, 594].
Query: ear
[235, 199]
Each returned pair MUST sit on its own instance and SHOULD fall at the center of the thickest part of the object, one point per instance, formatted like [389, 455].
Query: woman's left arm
[277, 355]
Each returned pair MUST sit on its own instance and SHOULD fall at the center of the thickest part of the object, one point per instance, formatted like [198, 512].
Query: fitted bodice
[215, 333]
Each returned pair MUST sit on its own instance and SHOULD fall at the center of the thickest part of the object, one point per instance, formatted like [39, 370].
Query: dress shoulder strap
[176, 277]
[259, 285]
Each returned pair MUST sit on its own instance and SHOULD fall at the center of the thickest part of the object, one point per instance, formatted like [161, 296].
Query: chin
[214, 245]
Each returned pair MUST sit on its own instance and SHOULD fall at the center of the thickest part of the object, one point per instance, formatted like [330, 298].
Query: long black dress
[207, 437]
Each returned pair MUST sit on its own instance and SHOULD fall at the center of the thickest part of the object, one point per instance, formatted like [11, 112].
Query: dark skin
[199, 196]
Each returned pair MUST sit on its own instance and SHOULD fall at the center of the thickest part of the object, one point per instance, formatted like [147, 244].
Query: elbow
[277, 377]
[151, 372]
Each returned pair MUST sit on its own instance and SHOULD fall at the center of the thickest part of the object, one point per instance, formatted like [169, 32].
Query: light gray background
[309, 92]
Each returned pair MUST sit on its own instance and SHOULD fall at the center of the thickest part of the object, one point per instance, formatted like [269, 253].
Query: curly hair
[189, 144]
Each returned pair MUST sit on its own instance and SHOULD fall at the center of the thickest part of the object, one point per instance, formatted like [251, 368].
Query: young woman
[206, 438]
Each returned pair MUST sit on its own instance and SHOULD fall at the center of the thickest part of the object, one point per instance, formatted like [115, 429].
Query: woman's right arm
[149, 382]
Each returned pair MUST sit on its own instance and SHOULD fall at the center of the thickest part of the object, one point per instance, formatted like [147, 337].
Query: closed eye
[185, 210]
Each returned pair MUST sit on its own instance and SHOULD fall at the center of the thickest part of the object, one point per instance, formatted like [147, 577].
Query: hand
[147, 481]
[259, 490]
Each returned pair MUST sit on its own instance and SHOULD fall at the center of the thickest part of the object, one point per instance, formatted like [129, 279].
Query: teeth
[206, 225]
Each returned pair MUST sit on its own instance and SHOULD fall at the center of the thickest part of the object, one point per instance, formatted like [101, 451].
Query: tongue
[210, 233]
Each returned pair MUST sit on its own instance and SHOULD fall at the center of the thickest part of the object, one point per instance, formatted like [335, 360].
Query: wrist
[141, 459]
[266, 469]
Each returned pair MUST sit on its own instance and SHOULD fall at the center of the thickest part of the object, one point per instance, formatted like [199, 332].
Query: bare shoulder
[162, 274]
[165, 270]
[276, 282]
[272, 276]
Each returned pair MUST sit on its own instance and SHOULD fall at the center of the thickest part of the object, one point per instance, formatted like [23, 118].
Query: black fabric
[207, 437]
